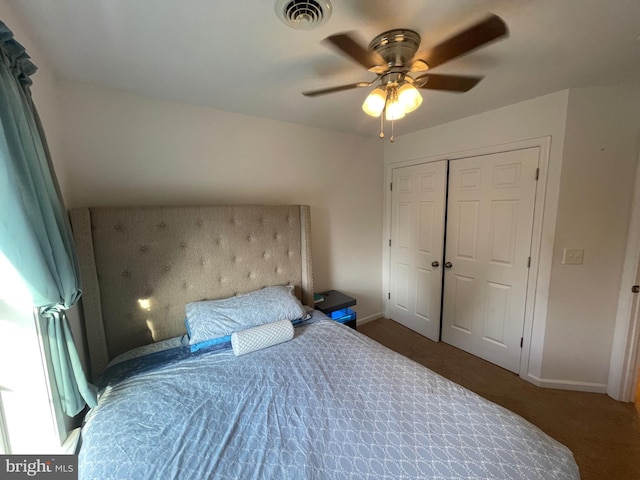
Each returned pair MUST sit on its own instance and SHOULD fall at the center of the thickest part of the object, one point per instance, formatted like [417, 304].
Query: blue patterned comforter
[329, 404]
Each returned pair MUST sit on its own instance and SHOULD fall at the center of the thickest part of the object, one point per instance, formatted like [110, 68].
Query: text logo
[58, 467]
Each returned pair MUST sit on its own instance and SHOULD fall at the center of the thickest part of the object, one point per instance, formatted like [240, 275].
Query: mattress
[329, 404]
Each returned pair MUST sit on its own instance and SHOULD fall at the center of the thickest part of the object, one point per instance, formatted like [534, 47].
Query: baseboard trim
[369, 318]
[567, 384]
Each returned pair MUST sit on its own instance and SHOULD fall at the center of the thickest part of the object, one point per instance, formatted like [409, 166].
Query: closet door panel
[489, 225]
[417, 240]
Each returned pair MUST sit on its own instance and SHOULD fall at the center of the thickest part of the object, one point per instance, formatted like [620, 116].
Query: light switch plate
[573, 256]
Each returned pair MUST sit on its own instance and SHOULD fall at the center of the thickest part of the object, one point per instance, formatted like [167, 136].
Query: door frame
[541, 251]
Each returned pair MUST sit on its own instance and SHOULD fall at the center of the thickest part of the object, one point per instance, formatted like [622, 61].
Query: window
[30, 424]
[4, 436]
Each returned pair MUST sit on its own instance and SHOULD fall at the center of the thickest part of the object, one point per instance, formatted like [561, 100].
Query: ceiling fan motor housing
[303, 14]
[396, 47]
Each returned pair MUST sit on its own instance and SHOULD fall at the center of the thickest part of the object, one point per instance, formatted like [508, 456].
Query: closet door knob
[448, 265]
[435, 264]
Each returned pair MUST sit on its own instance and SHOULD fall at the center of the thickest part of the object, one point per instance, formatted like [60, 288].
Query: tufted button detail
[183, 244]
[263, 220]
[148, 292]
[289, 253]
[265, 255]
[125, 273]
[220, 280]
[278, 270]
[277, 236]
[249, 238]
[185, 285]
[161, 225]
[199, 222]
[144, 248]
[233, 221]
[118, 227]
[167, 268]
[236, 259]
[202, 262]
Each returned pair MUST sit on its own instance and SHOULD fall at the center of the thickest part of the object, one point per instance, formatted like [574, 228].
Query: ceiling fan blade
[348, 46]
[340, 88]
[489, 29]
[451, 83]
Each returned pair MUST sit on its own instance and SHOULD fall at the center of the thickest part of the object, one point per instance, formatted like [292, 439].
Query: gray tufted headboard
[140, 266]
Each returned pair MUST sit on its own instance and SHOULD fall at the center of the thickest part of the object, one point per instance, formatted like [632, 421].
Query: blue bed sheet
[329, 404]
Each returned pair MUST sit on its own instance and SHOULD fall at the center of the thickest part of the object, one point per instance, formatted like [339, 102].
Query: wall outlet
[573, 256]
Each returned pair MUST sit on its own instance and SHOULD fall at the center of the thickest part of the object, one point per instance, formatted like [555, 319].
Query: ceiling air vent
[303, 14]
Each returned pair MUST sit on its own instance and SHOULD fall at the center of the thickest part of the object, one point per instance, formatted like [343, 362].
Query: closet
[461, 233]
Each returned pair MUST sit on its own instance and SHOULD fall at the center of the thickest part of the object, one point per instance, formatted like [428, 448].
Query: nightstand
[335, 305]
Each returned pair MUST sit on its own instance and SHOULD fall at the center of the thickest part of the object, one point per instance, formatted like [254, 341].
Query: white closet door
[417, 237]
[489, 226]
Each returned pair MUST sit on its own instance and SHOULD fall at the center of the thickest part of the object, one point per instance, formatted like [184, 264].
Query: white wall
[592, 158]
[598, 173]
[125, 149]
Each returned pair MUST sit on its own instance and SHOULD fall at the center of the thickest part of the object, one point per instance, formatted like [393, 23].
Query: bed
[321, 402]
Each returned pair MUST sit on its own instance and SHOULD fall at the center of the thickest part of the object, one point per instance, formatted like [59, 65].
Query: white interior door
[489, 226]
[417, 238]
[634, 319]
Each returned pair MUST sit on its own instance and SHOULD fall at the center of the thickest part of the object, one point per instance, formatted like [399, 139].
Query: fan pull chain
[382, 116]
[392, 139]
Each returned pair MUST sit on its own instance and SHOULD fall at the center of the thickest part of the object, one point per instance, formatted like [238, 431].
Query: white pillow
[210, 320]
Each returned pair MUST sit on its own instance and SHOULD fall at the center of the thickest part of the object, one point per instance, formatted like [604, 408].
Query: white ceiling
[237, 56]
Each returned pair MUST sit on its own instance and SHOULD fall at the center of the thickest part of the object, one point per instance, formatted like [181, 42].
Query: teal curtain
[35, 235]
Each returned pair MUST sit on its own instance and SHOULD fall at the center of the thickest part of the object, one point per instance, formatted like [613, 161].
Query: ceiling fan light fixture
[394, 109]
[303, 14]
[375, 101]
[409, 97]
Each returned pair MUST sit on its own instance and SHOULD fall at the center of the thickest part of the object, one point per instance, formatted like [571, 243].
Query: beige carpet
[603, 434]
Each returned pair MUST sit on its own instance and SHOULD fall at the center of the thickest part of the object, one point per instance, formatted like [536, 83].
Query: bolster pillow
[257, 338]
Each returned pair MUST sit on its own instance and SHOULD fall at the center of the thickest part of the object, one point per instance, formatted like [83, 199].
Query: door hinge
[391, 186]
[521, 341]
[537, 174]
[389, 242]
[389, 295]
[529, 262]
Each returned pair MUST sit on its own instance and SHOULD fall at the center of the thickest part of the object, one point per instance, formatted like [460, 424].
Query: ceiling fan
[393, 55]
